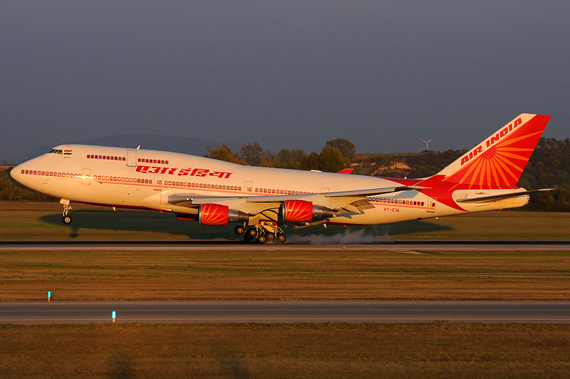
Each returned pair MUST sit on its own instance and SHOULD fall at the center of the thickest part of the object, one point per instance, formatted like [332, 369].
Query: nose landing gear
[66, 218]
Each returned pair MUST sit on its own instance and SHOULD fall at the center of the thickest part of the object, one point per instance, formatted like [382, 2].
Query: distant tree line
[549, 167]
[335, 156]
[11, 190]
[399, 165]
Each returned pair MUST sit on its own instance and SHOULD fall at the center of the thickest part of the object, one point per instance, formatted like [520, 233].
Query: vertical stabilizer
[499, 160]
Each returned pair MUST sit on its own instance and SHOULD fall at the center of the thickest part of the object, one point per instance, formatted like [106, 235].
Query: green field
[335, 350]
[42, 221]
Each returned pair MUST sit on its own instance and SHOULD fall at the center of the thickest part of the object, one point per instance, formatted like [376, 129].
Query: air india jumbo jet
[263, 200]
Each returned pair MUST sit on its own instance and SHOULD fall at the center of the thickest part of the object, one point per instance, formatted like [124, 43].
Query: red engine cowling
[216, 214]
[297, 211]
[303, 211]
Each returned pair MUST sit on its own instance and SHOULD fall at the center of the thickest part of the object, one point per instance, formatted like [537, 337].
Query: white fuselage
[131, 178]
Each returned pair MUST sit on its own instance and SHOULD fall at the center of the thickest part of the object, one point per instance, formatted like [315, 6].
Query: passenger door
[248, 188]
[157, 186]
[86, 176]
[131, 158]
[431, 204]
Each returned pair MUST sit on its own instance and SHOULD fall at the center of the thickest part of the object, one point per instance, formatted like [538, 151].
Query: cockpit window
[55, 151]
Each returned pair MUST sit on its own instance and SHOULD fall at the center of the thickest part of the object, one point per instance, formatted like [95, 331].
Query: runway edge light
[114, 315]
[49, 296]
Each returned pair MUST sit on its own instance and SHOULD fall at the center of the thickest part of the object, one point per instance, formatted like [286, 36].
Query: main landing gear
[263, 232]
[66, 218]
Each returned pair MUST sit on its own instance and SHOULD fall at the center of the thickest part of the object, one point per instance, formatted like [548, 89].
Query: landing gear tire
[281, 237]
[239, 229]
[261, 238]
[251, 232]
[248, 238]
[66, 219]
[270, 237]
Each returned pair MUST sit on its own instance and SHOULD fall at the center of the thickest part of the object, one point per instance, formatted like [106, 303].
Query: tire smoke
[349, 236]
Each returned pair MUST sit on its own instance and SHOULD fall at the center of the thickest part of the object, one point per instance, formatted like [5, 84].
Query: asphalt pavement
[283, 311]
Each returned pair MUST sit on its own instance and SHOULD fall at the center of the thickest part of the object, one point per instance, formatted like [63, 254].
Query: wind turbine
[427, 143]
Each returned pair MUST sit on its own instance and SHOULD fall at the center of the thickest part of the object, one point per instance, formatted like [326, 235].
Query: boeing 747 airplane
[262, 200]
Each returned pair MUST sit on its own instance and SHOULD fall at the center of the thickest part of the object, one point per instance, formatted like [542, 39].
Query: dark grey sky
[288, 74]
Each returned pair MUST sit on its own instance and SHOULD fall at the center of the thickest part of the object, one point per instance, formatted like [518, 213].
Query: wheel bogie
[263, 232]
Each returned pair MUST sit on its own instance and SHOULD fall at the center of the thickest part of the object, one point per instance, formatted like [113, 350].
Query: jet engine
[303, 211]
[216, 214]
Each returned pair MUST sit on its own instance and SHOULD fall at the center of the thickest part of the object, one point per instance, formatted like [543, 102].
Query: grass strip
[284, 275]
[336, 350]
[42, 221]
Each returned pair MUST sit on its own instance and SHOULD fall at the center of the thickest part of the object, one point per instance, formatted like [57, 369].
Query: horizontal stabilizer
[501, 196]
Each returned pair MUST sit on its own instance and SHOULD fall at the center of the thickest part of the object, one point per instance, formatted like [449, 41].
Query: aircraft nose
[15, 173]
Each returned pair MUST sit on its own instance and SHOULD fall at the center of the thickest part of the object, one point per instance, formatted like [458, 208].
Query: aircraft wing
[180, 197]
[339, 202]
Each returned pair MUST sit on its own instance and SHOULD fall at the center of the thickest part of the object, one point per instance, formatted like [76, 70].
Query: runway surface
[284, 311]
[401, 246]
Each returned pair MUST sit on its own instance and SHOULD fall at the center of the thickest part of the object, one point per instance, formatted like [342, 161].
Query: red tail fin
[498, 161]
